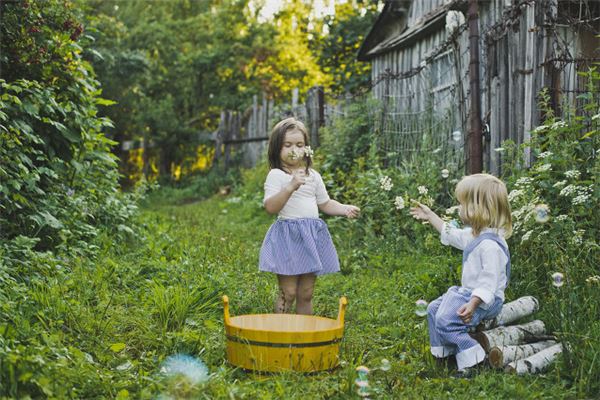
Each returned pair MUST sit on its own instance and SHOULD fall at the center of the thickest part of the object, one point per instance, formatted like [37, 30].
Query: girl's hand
[298, 179]
[352, 211]
[420, 211]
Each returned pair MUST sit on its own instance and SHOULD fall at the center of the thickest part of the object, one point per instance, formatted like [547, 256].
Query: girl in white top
[485, 208]
[298, 246]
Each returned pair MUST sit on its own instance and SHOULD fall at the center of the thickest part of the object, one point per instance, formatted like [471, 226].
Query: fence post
[219, 139]
[315, 110]
[475, 162]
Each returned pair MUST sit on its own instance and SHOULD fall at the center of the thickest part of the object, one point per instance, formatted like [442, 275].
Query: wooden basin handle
[342, 312]
[226, 309]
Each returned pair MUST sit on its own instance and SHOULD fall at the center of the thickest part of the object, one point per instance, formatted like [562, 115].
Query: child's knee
[288, 293]
[304, 294]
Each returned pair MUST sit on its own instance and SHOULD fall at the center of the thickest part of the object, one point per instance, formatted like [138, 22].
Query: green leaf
[104, 102]
[117, 347]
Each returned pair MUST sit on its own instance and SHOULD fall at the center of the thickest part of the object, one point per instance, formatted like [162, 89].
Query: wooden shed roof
[391, 32]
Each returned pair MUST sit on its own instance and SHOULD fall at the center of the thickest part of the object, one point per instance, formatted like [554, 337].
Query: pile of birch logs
[520, 349]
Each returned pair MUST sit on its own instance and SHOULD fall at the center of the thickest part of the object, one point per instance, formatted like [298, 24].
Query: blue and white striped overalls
[448, 334]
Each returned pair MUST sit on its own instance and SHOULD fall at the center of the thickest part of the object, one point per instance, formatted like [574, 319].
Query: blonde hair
[484, 203]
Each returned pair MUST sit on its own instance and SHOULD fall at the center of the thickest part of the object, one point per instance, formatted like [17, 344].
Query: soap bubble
[456, 136]
[558, 279]
[385, 365]
[421, 308]
[541, 213]
[362, 372]
[187, 367]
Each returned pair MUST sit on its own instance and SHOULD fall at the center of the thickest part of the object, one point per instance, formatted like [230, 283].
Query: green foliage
[337, 50]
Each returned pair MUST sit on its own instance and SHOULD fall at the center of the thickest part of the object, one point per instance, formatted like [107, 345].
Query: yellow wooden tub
[283, 342]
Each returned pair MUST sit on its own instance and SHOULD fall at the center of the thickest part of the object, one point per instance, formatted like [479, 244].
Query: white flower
[293, 155]
[445, 173]
[399, 202]
[386, 183]
[562, 217]
[452, 210]
[580, 199]
[539, 129]
[573, 174]
[545, 154]
[514, 194]
[595, 117]
[308, 152]
[526, 236]
[558, 124]
[559, 184]
[544, 167]
[525, 180]
[568, 190]
[422, 190]
[593, 279]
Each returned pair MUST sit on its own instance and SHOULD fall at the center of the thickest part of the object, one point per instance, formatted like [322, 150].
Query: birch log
[500, 357]
[536, 362]
[513, 311]
[511, 335]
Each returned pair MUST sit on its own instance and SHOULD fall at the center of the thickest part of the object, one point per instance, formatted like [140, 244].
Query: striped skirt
[298, 246]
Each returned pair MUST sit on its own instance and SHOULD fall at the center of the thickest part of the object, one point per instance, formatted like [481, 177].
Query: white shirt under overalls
[484, 270]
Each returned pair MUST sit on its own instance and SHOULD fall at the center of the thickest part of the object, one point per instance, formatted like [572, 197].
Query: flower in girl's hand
[308, 152]
[293, 155]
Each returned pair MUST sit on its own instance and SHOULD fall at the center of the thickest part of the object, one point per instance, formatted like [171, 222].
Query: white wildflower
[386, 183]
[293, 155]
[309, 152]
[399, 203]
[539, 129]
[523, 181]
[422, 190]
[559, 184]
[526, 236]
[562, 217]
[580, 199]
[558, 124]
[445, 173]
[545, 154]
[514, 194]
[593, 279]
[573, 174]
[544, 167]
[568, 190]
[452, 210]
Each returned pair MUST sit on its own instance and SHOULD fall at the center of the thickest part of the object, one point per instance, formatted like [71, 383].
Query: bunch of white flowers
[309, 152]
[399, 203]
[386, 183]
[545, 154]
[544, 167]
[445, 173]
[514, 194]
[573, 174]
[422, 190]
[523, 181]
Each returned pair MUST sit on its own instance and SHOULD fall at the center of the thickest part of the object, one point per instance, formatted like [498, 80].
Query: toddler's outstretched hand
[420, 211]
[352, 211]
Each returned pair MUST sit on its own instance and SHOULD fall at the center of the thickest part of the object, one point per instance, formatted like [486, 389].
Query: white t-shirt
[484, 271]
[303, 203]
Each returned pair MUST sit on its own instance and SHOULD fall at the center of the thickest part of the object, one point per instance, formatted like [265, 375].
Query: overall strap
[488, 236]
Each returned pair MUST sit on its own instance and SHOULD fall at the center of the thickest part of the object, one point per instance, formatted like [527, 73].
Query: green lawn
[160, 295]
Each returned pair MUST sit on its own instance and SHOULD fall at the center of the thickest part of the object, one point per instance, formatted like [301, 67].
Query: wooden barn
[420, 51]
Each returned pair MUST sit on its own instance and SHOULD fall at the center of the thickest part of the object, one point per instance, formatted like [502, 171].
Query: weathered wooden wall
[524, 48]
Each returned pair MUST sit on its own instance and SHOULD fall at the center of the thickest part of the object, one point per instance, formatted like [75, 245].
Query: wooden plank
[529, 98]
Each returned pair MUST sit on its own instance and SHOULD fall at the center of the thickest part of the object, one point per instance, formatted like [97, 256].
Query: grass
[123, 314]
[214, 245]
